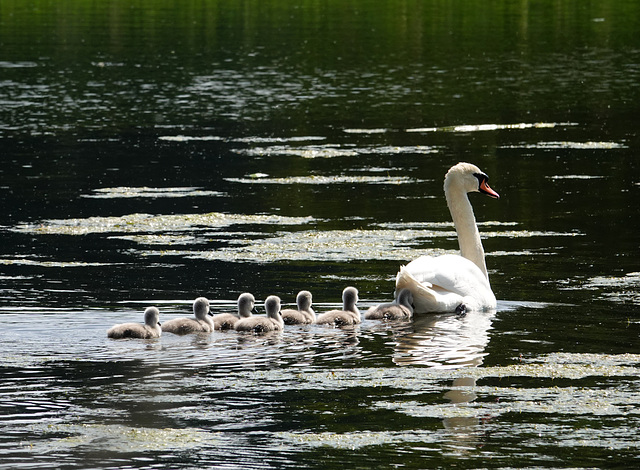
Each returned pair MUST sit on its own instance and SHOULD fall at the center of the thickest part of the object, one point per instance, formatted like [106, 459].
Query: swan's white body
[454, 283]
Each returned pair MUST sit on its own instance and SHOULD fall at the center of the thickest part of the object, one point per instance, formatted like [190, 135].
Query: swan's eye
[481, 177]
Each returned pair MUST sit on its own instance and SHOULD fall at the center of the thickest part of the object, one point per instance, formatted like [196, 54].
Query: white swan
[272, 322]
[304, 314]
[227, 321]
[400, 309]
[453, 283]
[200, 324]
[349, 315]
[150, 329]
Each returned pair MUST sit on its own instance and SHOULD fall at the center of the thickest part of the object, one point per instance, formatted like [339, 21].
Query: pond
[153, 152]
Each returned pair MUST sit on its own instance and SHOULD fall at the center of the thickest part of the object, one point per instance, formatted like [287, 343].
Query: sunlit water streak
[331, 151]
[572, 145]
[334, 245]
[144, 192]
[153, 223]
[324, 180]
[493, 127]
[622, 289]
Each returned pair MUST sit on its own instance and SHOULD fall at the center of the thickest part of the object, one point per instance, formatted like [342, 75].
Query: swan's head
[246, 305]
[201, 308]
[152, 317]
[303, 300]
[349, 298]
[272, 306]
[468, 178]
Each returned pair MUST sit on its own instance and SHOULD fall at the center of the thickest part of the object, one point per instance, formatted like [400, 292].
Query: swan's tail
[424, 297]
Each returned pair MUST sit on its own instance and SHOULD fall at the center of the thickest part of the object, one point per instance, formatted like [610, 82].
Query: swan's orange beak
[484, 187]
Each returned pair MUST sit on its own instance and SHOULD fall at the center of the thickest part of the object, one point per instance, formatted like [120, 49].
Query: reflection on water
[445, 341]
[228, 395]
[448, 341]
[439, 341]
[465, 431]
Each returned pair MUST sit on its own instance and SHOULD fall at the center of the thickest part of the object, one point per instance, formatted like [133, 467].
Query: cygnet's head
[405, 297]
[349, 297]
[303, 300]
[468, 178]
[272, 306]
[152, 317]
[246, 305]
[201, 308]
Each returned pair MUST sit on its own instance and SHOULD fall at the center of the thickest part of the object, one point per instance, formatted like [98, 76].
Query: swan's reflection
[450, 342]
[445, 341]
[462, 392]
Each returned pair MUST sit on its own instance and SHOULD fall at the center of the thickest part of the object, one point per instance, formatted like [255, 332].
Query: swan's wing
[426, 298]
[451, 273]
[440, 284]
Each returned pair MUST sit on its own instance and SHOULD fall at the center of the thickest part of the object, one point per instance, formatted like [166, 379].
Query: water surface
[152, 153]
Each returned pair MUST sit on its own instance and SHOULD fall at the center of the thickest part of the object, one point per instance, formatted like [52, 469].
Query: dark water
[153, 152]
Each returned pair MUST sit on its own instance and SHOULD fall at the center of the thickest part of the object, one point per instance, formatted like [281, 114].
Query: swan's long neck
[466, 228]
